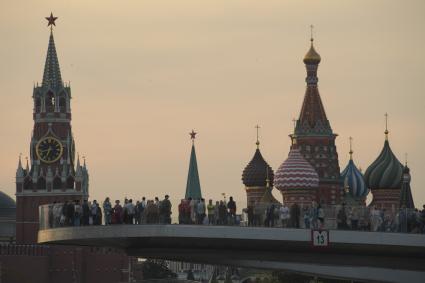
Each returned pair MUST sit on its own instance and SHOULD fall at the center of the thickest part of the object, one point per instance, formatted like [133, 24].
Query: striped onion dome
[296, 173]
[385, 172]
[354, 180]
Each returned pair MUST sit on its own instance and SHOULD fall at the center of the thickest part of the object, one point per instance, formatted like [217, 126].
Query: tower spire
[312, 119]
[406, 198]
[311, 33]
[386, 126]
[351, 148]
[27, 166]
[267, 177]
[312, 57]
[52, 76]
[294, 135]
[258, 141]
[20, 162]
[20, 170]
[313, 130]
[193, 185]
[78, 160]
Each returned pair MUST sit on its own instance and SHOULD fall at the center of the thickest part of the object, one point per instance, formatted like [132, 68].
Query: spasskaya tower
[52, 173]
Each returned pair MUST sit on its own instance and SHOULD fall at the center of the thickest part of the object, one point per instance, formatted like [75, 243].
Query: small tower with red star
[193, 185]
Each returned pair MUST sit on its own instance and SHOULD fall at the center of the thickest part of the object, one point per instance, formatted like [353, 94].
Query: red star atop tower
[51, 20]
[192, 135]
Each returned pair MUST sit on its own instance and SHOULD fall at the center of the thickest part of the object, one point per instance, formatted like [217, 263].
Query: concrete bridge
[367, 256]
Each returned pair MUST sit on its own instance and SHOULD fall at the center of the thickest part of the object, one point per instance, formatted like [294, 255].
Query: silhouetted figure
[117, 213]
[295, 215]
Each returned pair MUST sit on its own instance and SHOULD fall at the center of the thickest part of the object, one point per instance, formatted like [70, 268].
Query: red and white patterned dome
[296, 173]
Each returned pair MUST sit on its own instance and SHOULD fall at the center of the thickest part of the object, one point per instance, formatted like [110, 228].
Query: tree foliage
[156, 269]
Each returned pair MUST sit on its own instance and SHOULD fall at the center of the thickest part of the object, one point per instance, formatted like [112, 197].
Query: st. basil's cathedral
[311, 173]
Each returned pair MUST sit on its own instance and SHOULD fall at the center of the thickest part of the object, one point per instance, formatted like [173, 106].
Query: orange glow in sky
[145, 73]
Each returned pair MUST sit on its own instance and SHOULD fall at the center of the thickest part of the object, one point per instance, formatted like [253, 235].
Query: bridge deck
[257, 245]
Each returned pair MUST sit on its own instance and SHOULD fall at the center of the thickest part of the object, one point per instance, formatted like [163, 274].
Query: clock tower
[52, 174]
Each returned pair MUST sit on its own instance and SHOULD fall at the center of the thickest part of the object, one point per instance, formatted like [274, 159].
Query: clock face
[49, 149]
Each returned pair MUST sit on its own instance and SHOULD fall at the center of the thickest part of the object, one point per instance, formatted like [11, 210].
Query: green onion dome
[385, 172]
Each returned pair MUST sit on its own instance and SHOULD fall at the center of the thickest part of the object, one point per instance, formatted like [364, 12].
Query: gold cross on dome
[311, 33]
[258, 142]
[386, 125]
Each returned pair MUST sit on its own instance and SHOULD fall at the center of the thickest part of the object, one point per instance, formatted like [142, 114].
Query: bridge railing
[346, 217]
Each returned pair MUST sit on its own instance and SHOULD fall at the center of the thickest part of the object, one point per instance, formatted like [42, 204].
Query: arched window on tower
[62, 104]
[70, 183]
[50, 102]
[41, 184]
[57, 183]
[37, 105]
[28, 183]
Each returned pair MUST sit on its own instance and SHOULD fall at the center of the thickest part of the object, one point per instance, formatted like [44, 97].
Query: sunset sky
[145, 73]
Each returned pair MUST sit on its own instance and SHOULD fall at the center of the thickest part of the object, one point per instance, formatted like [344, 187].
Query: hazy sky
[144, 73]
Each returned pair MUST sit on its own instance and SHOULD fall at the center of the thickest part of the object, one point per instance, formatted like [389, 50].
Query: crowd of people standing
[276, 215]
[141, 212]
[342, 217]
[72, 213]
[197, 211]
